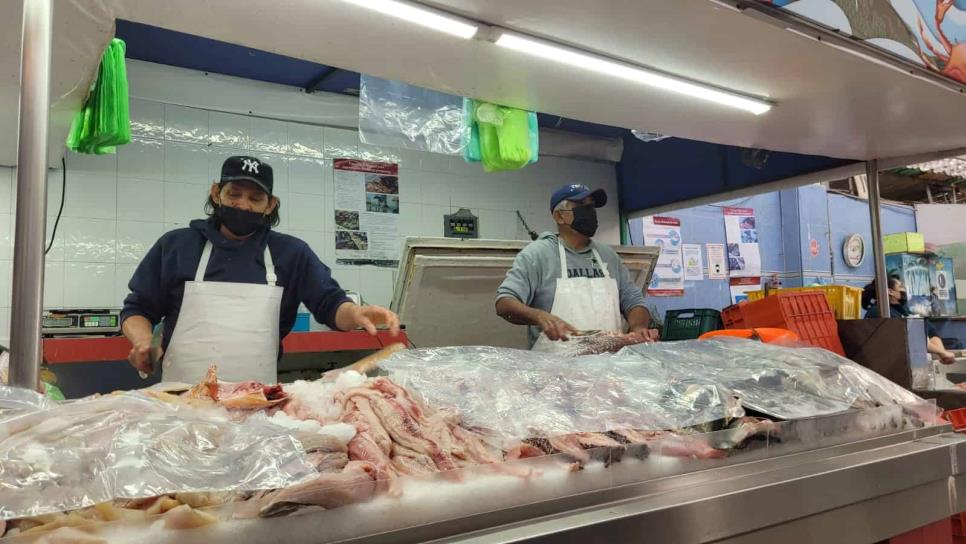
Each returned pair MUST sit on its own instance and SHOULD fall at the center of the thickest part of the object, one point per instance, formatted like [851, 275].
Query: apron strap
[600, 262]
[270, 277]
[203, 263]
[563, 260]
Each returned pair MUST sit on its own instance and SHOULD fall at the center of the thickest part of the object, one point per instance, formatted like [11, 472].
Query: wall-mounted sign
[853, 250]
[813, 247]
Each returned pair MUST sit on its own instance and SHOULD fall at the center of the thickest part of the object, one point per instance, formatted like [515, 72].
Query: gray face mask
[585, 220]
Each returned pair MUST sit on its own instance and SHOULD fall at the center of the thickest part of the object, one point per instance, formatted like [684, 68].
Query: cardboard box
[903, 242]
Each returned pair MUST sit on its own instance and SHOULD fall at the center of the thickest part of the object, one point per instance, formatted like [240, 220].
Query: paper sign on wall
[717, 266]
[741, 286]
[366, 198]
[744, 259]
[668, 277]
[693, 265]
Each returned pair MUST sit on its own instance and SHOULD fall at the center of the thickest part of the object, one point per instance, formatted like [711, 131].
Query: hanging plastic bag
[104, 121]
[501, 137]
[395, 114]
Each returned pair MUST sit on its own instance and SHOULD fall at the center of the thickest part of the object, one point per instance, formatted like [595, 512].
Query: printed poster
[693, 264]
[741, 232]
[668, 277]
[717, 266]
[741, 286]
[366, 198]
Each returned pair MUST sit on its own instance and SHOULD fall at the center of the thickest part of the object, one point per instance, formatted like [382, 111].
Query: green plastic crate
[689, 324]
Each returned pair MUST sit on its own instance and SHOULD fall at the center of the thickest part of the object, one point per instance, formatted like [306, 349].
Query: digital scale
[462, 224]
[75, 322]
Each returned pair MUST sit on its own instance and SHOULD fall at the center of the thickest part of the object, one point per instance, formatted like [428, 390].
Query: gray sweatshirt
[533, 278]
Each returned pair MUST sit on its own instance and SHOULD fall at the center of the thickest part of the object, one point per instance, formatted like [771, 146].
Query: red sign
[369, 167]
[813, 248]
[671, 221]
[738, 211]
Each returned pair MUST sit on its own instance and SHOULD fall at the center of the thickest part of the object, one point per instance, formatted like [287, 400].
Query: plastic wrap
[15, 401]
[786, 383]
[394, 114]
[517, 394]
[128, 446]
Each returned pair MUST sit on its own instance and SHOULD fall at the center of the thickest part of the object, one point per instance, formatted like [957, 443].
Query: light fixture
[601, 65]
[422, 16]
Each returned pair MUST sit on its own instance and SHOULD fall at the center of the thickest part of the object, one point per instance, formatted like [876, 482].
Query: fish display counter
[693, 441]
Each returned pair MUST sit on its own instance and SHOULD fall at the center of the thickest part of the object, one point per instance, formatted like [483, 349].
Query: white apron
[588, 304]
[232, 325]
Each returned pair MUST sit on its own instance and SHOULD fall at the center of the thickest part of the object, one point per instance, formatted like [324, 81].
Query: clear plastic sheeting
[128, 446]
[394, 114]
[673, 385]
[15, 401]
[518, 394]
[786, 383]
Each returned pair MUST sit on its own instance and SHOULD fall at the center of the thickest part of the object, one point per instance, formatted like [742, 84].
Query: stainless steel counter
[859, 492]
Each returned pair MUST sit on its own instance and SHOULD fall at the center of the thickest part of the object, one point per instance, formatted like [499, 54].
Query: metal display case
[445, 289]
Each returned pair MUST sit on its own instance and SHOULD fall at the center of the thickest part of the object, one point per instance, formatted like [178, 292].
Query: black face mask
[239, 222]
[903, 299]
[585, 220]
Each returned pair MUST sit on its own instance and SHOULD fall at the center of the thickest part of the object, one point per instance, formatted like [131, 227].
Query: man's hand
[140, 356]
[351, 316]
[137, 329]
[554, 327]
[649, 335]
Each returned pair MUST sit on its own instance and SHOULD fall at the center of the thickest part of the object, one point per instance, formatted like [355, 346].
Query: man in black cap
[228, 288]
[565, 283]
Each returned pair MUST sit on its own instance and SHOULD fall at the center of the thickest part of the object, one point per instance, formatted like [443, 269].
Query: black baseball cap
[241, 168]
[577, 193]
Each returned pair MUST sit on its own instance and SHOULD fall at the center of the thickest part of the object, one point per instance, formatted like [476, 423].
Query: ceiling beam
[320, 79]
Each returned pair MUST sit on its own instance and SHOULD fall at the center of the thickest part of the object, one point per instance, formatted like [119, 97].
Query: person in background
[566, 283]
[228, 287]
[898, 309]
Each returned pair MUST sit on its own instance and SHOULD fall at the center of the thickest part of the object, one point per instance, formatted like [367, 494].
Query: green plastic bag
[104, 122]
[504, 137]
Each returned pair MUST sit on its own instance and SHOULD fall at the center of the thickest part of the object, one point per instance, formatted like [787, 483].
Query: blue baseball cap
[577, 193]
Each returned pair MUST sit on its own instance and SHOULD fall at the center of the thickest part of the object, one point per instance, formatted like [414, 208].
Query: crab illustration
[951, 56]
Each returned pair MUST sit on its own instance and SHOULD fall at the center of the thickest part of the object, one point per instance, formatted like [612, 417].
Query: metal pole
[28, 254]
[878, 252]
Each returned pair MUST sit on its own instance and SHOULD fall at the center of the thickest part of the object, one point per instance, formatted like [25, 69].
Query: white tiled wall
[118, 205]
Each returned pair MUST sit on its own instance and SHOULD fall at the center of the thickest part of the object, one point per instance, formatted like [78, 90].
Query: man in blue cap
[565, 283]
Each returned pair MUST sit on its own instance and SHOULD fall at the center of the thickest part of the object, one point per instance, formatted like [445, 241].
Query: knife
[153, 352]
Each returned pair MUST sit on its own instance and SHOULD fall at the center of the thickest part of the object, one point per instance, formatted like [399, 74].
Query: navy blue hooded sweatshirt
[157, 286]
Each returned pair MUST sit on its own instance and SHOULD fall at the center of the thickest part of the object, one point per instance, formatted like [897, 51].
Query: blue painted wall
[787, 222]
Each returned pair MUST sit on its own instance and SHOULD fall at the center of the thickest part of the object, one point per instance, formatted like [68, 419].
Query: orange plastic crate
[731, 317]
[806, 313]
[958, 419]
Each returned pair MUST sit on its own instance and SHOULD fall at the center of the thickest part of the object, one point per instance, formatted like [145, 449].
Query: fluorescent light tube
[421, 16]
[601, 65]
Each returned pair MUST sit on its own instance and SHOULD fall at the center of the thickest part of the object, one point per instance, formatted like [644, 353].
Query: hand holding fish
[350, 316]
[554, 327]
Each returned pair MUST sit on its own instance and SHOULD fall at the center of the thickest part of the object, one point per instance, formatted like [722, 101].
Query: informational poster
[693, 263]
[741, 232]
[366, 198]
[741, 286]
[717, 266]
[668, 277]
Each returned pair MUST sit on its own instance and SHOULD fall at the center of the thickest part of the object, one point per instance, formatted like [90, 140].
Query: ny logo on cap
[250, 165]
